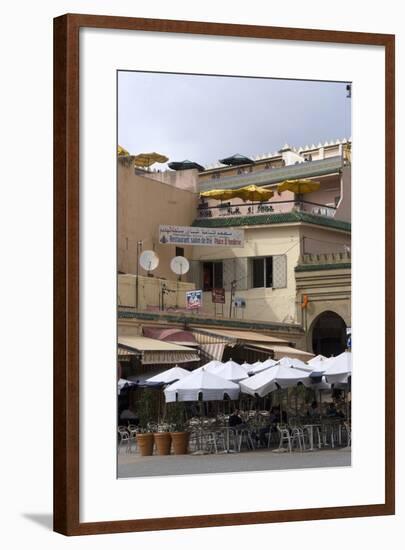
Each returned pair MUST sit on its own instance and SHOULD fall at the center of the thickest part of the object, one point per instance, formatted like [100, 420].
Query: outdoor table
[227, 430]
[310, 430]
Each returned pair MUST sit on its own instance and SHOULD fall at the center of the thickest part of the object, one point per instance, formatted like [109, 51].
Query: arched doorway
[328, 334]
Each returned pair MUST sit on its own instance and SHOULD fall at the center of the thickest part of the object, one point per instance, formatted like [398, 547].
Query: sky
[204, 118]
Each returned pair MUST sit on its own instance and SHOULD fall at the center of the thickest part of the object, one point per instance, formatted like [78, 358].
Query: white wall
[27, 233]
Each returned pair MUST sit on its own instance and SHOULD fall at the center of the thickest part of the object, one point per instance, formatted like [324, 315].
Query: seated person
[313, 409]
[332, 411]
[235, 419]
[271, 425]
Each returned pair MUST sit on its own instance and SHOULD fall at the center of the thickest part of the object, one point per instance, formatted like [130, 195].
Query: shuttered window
[262, 272]
[212, 275]
[280, 271]
[269, 272]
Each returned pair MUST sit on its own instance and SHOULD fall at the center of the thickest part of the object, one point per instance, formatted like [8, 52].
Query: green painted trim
[269, 219]
[322, 267]
[231, 323]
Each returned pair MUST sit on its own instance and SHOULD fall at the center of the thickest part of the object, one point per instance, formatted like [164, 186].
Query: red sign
[218, 295]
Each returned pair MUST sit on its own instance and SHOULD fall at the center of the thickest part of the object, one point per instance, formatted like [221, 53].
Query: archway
[328, 334]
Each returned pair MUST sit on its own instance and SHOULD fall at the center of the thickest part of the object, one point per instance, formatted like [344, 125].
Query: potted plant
[179, 435]
[144, 406]
[163, 439]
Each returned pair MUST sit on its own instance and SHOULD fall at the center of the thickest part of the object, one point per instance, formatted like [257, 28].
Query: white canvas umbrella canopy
[212, 366]
[232, 371]
[296, 363]
[339, 368]
[210, 386]
[272, 378]
[259, 366]
[317, 361]
[170, 375]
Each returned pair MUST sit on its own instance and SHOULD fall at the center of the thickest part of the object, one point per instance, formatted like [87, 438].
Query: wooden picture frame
[66, 273]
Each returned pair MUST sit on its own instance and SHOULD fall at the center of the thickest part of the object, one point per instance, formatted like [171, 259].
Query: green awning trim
[322, 267]
[268, 219]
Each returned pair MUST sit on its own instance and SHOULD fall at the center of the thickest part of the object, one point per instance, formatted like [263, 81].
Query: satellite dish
[149, 260]
[179, 265]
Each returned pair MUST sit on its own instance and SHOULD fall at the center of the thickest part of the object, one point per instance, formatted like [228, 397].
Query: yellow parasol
[122, 152]
[254, 193]
[248, 193]
[218, 194]
[299, 186]
[145, 160]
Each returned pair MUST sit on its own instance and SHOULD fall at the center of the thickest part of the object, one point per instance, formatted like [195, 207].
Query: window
[212, 275]
[262, 272]
[179, 251]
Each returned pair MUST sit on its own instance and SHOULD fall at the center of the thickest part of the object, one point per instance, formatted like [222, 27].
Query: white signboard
[201, 236]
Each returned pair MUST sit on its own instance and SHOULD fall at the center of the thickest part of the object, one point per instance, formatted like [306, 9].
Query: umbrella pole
[320, 406]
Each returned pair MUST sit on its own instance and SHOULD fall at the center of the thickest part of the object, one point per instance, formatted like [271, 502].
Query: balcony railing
[228, 209]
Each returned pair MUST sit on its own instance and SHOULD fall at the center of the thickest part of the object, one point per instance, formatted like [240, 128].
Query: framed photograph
[223, 223]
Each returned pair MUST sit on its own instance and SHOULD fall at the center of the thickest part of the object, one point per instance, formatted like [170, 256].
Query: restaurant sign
[200, 236]
[218, 295]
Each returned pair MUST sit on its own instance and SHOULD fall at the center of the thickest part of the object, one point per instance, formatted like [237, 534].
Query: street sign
[218, 295]
[239, 302]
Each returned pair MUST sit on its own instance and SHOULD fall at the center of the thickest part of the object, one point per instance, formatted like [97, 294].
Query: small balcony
[234, 209]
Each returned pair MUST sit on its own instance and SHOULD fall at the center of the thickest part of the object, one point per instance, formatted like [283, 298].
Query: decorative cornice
[192, 320]
[269, 219]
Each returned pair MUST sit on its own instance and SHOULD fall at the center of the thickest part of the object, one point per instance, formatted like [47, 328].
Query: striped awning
[152, 351]
[213, 351]
[124, 354]
[283, 351]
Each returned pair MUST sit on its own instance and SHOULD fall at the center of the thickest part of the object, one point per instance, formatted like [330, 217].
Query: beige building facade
[266, 280]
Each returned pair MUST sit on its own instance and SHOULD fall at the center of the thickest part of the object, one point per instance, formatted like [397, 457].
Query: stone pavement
[133, 465]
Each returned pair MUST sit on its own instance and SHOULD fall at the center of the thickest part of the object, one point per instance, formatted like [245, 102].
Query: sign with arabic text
[201, 236]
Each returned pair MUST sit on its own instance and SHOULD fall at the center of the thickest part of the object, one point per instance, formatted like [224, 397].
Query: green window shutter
[280, 271]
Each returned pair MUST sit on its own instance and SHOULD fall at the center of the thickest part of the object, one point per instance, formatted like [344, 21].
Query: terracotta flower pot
[145, 444]
[180, 442]
[163, 442]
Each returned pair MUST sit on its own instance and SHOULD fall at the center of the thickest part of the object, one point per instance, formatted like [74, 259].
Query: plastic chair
[124, 438]
[285, 437]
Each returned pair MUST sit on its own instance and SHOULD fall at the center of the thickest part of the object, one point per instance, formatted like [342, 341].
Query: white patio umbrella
[317, 361]
[260, 366]
[169, 376]
[201, 382]
[338, 369]
[271, 379]
[232, 371]
[295, 363]
[212, 366]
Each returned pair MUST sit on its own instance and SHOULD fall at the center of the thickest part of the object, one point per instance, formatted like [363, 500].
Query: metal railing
[228, 209]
